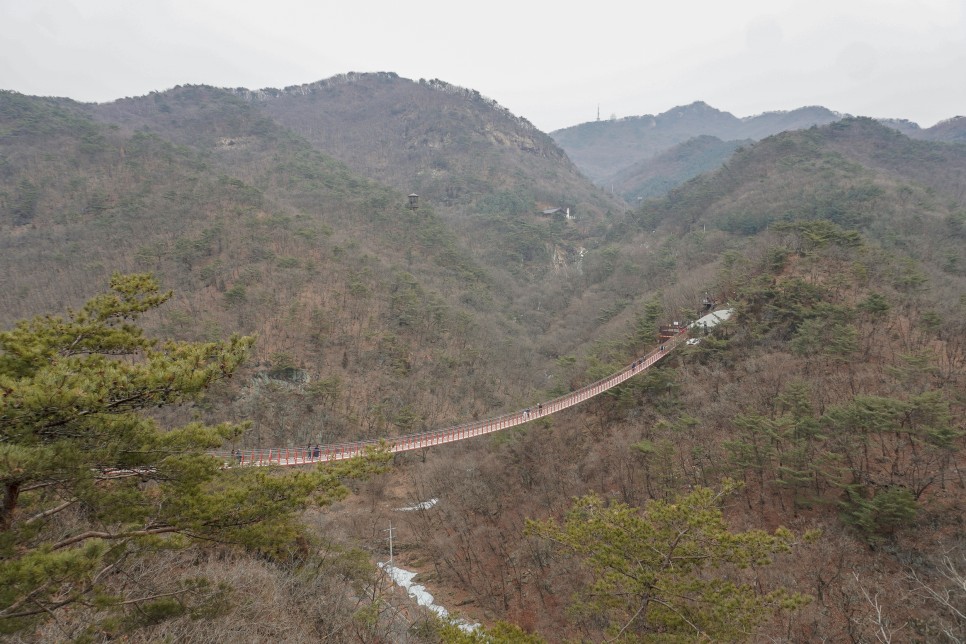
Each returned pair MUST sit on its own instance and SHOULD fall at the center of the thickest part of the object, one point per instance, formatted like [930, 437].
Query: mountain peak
[700, 105]
[698, 109]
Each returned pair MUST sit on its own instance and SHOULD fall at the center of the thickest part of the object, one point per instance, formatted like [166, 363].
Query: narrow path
[342, 451]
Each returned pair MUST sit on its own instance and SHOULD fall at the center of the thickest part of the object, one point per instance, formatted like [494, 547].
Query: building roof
[713, 319]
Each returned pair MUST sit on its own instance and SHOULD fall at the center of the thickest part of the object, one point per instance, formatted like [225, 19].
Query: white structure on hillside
[704, 324]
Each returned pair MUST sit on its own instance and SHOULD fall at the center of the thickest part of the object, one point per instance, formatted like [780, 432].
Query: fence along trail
[341, 451]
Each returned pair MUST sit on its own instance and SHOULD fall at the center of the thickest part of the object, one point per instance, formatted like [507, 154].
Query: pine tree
[670, 572]
[91, 482]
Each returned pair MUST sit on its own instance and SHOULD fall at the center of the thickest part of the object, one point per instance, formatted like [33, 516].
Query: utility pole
[390, 543]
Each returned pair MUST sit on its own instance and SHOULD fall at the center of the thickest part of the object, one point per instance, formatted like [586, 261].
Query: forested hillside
[265, 236]
[449, 144]
[835, 397]
[952, 130]
[811, 449]
[657, 176]
[637, 156]
[372, 318]
[488, 173]
[264, 233]
[602, 149]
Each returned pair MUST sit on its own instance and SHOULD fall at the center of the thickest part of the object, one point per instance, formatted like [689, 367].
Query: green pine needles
[670, 572]
[90, 484]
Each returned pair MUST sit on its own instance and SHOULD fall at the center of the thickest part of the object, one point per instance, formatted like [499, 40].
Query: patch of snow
[404, 579]
[425, 505]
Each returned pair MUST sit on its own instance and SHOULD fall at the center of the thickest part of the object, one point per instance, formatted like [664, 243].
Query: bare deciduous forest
[816, 439]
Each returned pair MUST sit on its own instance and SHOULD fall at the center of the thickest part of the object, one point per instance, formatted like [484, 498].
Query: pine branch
[98, 534]
[51, 511]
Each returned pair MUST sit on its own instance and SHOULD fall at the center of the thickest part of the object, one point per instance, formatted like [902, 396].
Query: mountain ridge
[605, 149]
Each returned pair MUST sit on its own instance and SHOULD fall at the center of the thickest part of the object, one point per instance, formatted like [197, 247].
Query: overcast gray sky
[552, 63]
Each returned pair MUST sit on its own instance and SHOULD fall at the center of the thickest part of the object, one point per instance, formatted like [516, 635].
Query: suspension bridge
[288, 456]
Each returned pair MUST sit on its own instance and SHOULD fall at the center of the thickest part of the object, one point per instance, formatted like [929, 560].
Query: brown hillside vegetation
[656, 177]
[447, 143]
[836, 411]
[265, 235]
[834, 398]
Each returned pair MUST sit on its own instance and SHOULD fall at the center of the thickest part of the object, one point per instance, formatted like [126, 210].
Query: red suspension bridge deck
[341, 451]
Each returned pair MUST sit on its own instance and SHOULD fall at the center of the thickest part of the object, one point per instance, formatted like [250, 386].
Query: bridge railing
[341, 451]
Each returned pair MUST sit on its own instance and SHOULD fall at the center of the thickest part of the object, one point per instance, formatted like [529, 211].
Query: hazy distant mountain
[602, 149]
[907, 127]
[949, 131]
[656, 176]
